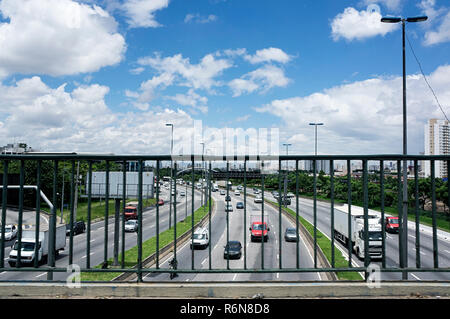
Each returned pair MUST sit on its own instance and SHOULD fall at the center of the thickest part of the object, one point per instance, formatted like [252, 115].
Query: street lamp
[403, 237]
[315, 137]
[171, 176]
[285, 175]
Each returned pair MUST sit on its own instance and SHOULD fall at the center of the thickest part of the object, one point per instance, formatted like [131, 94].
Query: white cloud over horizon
[57, 37]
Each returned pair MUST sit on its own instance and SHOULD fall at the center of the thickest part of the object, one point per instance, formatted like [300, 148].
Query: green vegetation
[148, 247]
[98, 209]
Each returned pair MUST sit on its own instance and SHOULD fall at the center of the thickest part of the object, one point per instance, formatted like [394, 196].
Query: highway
[253, 249]
[98, 236]
[306, 210]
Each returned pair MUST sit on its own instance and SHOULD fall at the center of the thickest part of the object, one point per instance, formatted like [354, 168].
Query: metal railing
[36, 173]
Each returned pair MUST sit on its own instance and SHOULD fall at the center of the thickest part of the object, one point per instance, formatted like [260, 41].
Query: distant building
[437, 143]
[16, 148]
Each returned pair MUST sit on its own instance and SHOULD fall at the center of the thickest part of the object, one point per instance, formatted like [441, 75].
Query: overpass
[397, 271]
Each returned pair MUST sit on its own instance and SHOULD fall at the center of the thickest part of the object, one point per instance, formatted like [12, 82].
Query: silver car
[131, 225]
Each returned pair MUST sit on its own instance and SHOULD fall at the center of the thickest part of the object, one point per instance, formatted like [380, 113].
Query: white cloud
[197, 76]
[390, 4]
[56, 119]
[364, 117]
[358, 25]
[197, 18]
[141, 13]
[268, 55]
[191, 99]
[438, 24]
[262, 79]
[57, 37]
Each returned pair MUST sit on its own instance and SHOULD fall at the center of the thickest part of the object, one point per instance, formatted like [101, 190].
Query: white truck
[357, 235]
[28, 245]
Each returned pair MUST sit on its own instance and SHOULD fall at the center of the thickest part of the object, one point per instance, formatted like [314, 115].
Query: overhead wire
[425, 78]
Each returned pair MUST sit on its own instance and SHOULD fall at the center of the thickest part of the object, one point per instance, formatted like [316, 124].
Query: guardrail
[324, 183]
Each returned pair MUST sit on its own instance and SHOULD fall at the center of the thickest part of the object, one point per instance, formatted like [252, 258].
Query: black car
[240, 205]
[232, 250]
[78, 228]
[228, 198]
[285, 201]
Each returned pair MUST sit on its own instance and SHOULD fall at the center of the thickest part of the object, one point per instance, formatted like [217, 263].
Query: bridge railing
[371, 181]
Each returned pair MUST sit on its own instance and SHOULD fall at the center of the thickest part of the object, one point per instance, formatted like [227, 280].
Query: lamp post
[171, 177]
[404, 218]
[315, 137]
[285, 174]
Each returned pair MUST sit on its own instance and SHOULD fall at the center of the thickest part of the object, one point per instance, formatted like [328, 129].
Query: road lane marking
[40, 275]
[234, 277]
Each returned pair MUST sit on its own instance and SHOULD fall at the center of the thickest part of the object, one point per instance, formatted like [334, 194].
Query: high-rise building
[437, 134]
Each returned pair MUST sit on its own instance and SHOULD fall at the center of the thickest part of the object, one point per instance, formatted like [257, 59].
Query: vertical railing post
[366, 217]
[105, 248]
[281, 202]
[157, 213]
[72, 208]
[52, 224]
[4, 202]
[416, 210]
[174, 201]
[433, 214]
[192, 215]
[140, 228]
[209, 214]
[297, 216]
[349, 203]
[38, 213]
[20, 224]
[315, 212]
[245, 214]
[89, 221]
[383, 226]
[332, 212]
[262, 217]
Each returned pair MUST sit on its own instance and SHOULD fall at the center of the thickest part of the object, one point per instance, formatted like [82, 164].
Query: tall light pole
[171, 176]
[285, 174]
[404, 220]
[203, 154]
[315, 137]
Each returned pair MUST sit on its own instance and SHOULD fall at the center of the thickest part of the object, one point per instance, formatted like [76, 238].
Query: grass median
[325, 245]
[148, 247]
[98, 209]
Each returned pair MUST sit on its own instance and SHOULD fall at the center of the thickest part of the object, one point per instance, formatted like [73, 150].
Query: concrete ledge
[226, 290]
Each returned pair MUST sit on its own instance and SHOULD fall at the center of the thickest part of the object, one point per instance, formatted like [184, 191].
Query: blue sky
[106, 75]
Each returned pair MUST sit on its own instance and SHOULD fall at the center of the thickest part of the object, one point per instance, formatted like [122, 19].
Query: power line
[425, 78]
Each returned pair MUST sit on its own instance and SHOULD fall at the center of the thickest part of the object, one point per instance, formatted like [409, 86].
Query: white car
[229, 208]
[10, 232]
[258, 199]
[200, 238]
[131, 225]
[237, 193]
[182, 193]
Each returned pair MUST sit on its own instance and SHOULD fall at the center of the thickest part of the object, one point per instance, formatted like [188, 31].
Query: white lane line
[203, 262]
[448, 252]
[234, 277]
[40, 275]
[3, 272]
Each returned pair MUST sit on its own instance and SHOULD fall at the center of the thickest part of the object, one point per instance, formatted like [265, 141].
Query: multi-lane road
[253, 255]
[97, 238]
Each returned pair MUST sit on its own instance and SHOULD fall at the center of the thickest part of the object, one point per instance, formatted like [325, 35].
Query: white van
[201, 238]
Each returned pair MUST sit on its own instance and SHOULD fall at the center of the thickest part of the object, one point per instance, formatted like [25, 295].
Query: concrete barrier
[245, 290]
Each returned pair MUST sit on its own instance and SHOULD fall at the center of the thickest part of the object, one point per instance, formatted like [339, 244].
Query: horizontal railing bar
[224, 158]
[222, 270]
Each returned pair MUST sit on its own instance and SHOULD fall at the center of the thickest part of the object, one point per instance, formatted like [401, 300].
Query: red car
[391, 224]
[160, 202]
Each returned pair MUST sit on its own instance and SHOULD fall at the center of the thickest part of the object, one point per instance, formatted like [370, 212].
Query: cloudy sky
[107, 75]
